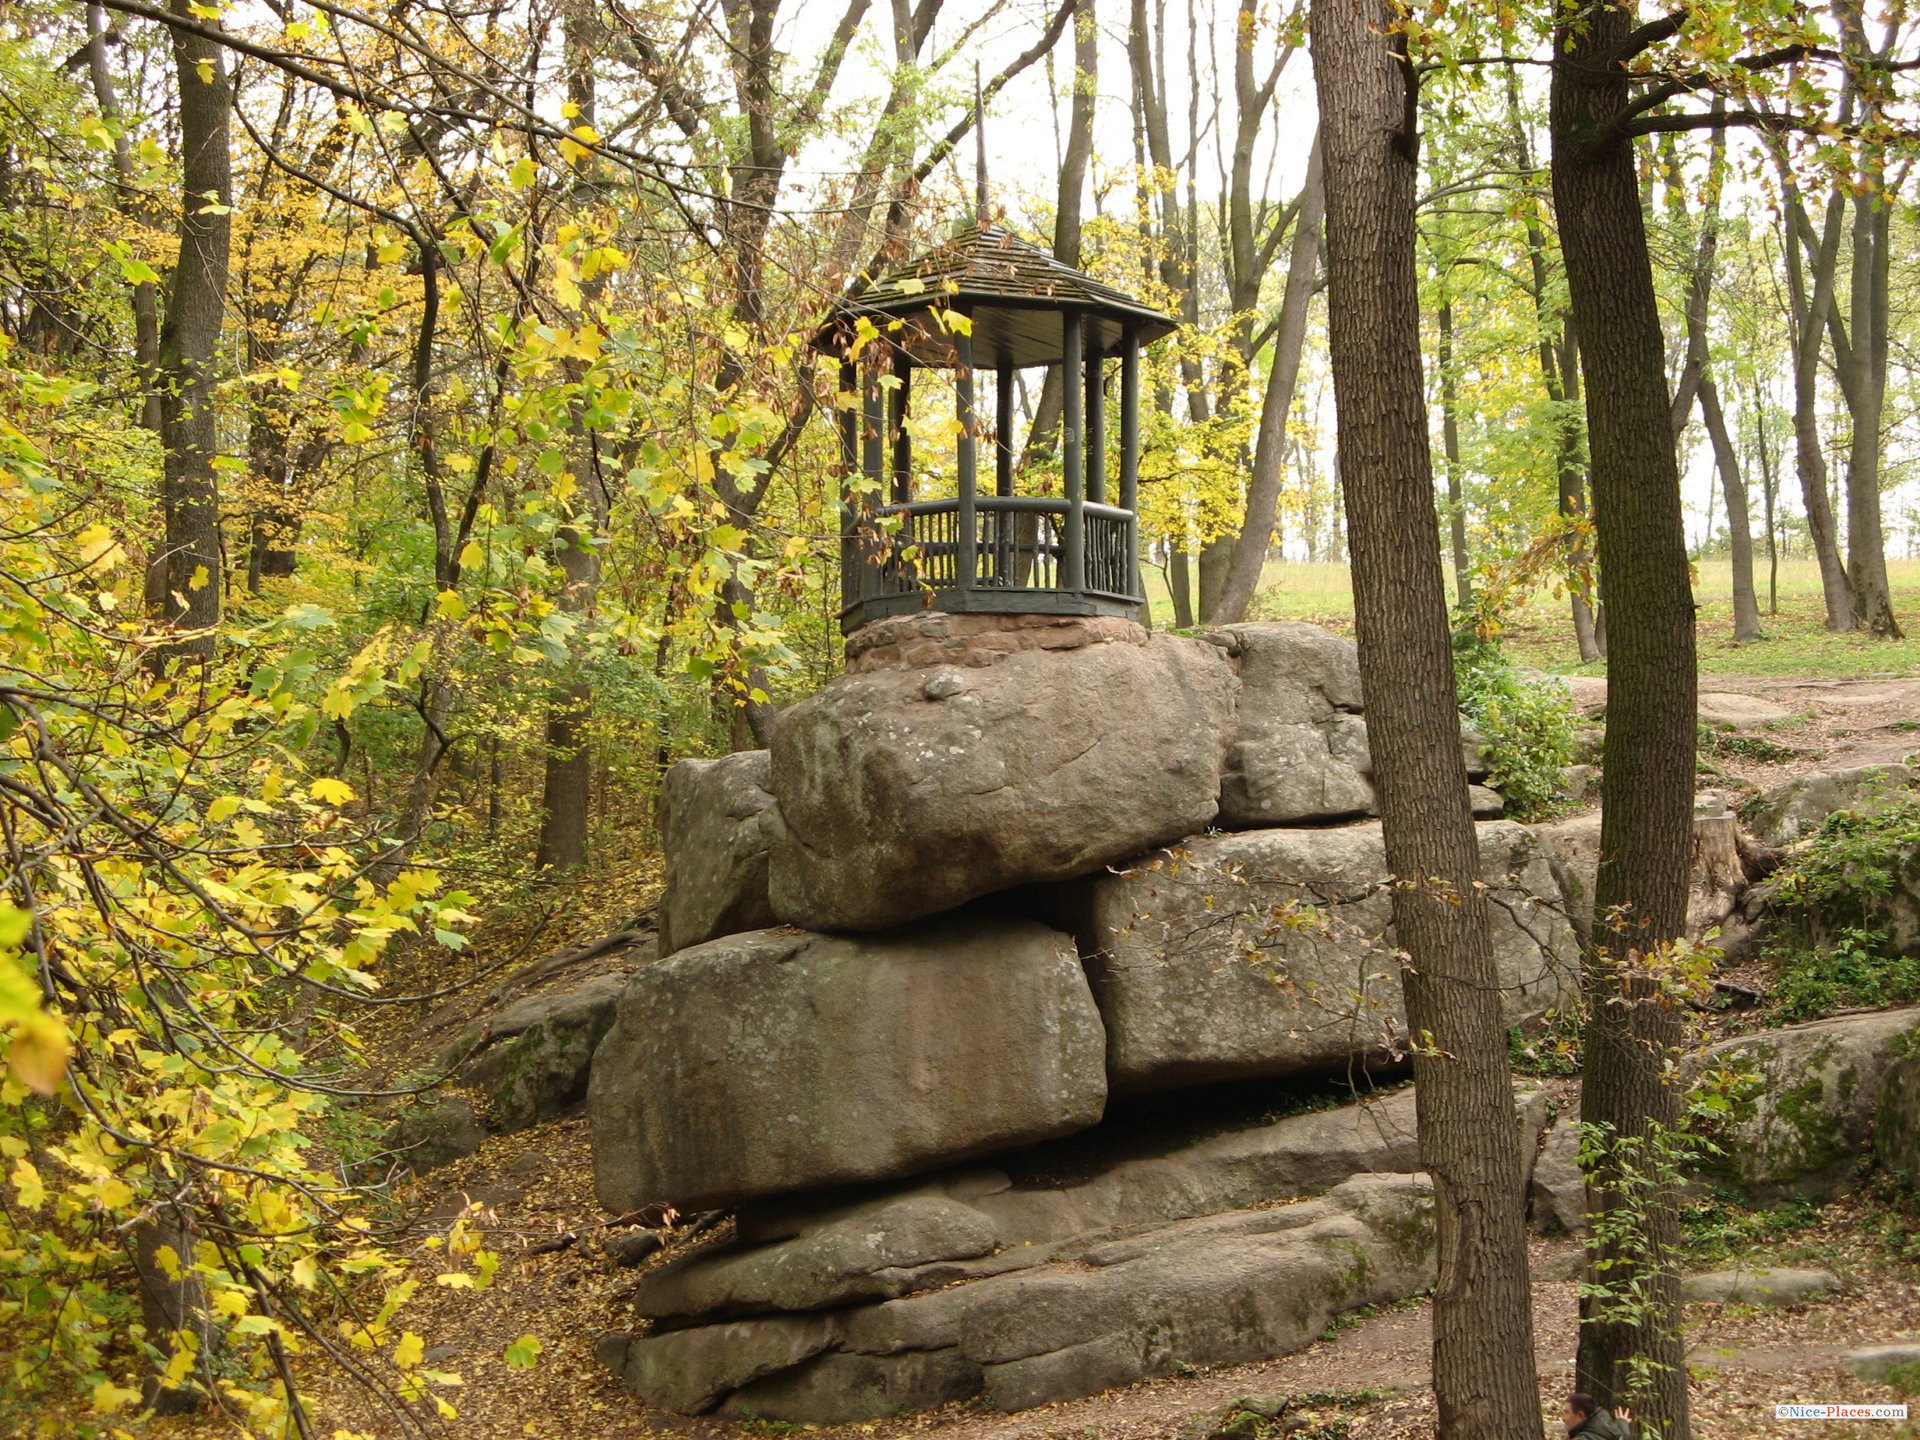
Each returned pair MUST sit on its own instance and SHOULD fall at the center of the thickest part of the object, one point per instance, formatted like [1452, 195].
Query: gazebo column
[1130, 448]
[1096, 420]
[902, 442]
[966, 539]
[849, 400]
[872, 453]
[1073, 567]
[1003, 429]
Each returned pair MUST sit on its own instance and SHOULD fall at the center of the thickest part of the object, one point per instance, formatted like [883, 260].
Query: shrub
[1834, 951]
[1527, 724]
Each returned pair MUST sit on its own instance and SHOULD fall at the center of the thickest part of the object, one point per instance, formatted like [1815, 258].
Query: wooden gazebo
[1067, 554]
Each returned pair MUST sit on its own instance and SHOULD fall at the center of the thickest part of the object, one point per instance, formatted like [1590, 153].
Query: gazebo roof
[1017, 294]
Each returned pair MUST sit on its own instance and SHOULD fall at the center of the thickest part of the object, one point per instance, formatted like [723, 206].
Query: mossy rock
[1811, 1114]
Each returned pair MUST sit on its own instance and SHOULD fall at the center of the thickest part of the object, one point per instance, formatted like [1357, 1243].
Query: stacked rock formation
[1000, 1053]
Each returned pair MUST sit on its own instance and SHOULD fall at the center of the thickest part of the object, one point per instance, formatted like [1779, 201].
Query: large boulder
[1271, 952]
[1808, 1100]
[1557, 1191]
[984, 1219]
[715, 819]
[1798, 807]
[1008, 1213]
[1715, 885]
[907, 791]
[1084, 1314]
[1299, 747]
[776, 1060]
[1298, 753]
[1896, 1122]
[540, 1049]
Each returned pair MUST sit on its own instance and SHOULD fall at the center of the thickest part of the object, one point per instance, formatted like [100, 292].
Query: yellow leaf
[26, 1184]
[329, 791]
[201, 575]
[109, 1398]
[407, 1354]
[98, 549]
[231, 1303]
[38, 1053]
[449, 606]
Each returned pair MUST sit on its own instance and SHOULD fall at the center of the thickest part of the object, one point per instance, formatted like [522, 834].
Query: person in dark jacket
[1584, 1417]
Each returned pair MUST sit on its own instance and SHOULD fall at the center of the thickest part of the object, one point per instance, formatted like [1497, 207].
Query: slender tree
[184, 584]
[1482, 1317]
[1648, 766]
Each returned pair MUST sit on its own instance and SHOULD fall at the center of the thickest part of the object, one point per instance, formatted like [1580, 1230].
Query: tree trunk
[566, 791]
[1769, 487]
[1560, 373]
[1484, 1381]
[146, 296]
[1067, 206]
[1269, 453]
[1450, 451]
[189, 597]
[1866, 399]
[1746, 604]
[1648, 764]
[1180, 585]
[1811, 309]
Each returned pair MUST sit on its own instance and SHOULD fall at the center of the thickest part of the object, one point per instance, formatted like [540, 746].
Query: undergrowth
[1528, 725]
[1835, 898]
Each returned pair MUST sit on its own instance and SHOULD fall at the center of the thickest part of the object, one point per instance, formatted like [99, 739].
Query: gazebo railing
[997, 552]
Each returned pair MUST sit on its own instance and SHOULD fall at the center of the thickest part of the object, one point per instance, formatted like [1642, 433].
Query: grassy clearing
[1540, 634]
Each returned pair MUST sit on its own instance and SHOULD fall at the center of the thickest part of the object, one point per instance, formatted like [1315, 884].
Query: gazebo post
[849, 400]
[1073, 567]
[1130, 445]
[1003, 429]
[902, 441]
[1096, 420]
[966, 541]
[872, 451]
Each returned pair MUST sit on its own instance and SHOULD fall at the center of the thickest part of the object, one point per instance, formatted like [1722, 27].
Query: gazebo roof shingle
[1016, 292]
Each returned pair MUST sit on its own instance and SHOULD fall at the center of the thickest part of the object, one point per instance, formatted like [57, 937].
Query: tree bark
[1070, 197]
[1811, 306]
[1484, 1380]
[188, 601]
[1733, 485]
[1696, 385]
[566, 790]
[1648, 765]
[1269, 453]
[1450, 452]
[146, 296]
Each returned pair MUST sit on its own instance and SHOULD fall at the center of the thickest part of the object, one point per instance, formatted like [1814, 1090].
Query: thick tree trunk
[1269, 453]
[188, 601]
[1648, 768]
[1484, 1379]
